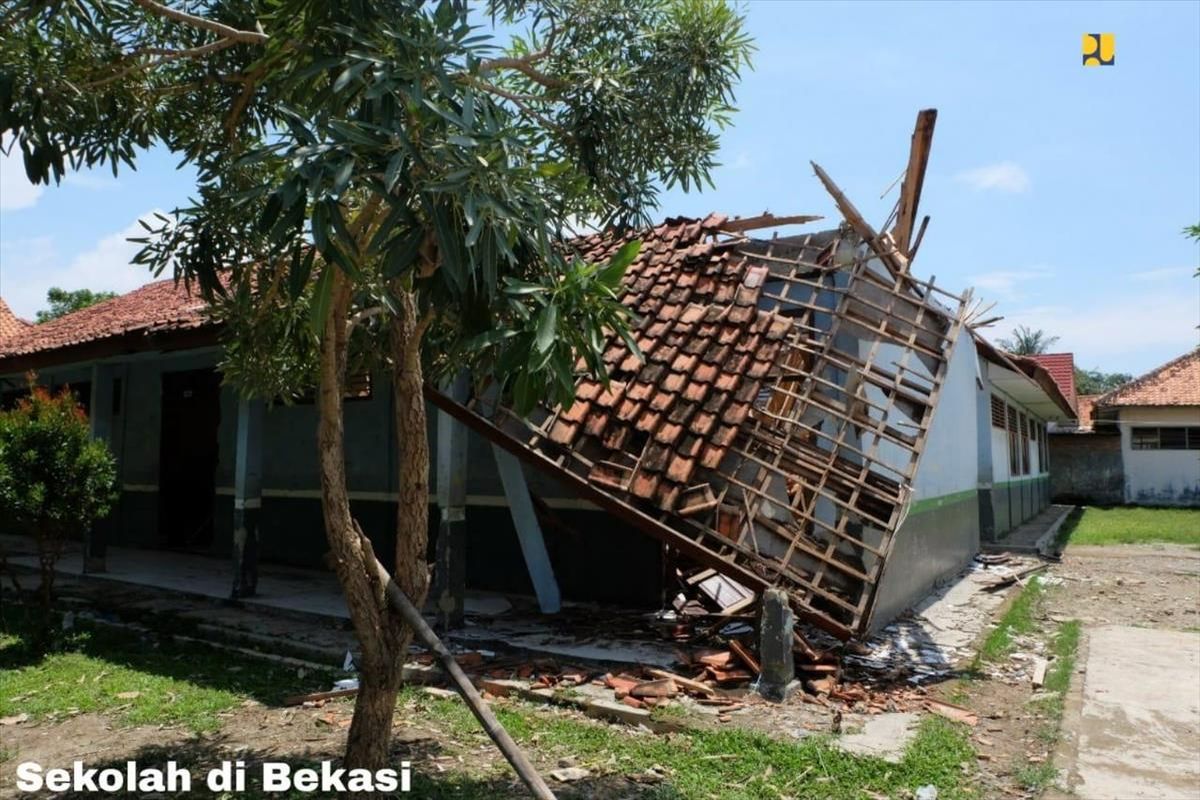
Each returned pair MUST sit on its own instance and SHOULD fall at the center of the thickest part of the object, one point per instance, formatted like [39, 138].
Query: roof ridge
[1140, 381]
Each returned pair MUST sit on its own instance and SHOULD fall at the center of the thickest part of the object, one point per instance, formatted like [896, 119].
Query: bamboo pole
[412, 617]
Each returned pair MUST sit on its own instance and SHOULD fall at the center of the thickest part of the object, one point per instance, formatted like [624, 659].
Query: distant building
[1139, 443]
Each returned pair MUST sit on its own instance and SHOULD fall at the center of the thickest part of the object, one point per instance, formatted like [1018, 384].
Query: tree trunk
[382, 637]
[411, 570]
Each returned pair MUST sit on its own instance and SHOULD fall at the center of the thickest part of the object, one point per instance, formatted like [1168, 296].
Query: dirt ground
[1153, 586]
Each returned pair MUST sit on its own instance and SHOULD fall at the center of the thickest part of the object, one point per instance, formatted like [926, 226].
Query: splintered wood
[774, 429]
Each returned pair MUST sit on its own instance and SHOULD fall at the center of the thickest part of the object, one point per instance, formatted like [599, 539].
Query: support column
[247, 497]
[95, 543]
[776, 639]
[450, 569]
[529, 532]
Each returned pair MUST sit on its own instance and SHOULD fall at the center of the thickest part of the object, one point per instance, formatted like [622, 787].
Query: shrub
[55, 479]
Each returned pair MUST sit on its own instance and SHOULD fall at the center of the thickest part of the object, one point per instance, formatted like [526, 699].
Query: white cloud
[1006, 283]
[1164, 274]
[1006, 176]
[1131, 333]
[16, 192]
[29, 267]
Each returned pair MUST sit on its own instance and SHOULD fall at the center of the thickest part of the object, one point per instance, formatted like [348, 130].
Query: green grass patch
[138, 680]
[726, 763]
[1131, 525]
[1064, 647]
[1020, 618]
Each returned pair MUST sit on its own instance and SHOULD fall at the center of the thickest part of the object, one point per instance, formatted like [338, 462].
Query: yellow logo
[1099, 49]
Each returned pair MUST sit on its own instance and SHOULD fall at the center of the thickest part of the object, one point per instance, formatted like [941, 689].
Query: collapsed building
[805, 412]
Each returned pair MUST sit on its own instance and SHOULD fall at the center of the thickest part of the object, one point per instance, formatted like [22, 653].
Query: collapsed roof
[774, 427]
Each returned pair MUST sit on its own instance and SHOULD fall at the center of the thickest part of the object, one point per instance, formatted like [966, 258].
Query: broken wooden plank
[745, 656]
[767, 220]
[914, 179]
[686, 683]
[1039, 672]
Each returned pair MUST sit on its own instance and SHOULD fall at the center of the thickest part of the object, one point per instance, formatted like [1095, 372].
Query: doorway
[187, 459]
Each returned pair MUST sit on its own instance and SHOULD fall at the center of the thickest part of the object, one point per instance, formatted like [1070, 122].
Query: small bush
[55, 479]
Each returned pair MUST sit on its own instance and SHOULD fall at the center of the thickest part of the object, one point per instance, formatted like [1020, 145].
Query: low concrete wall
[1087, 469]
[939, 537]
[1016, 501]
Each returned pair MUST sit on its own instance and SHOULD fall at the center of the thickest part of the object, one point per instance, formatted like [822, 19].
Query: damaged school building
[809, 414]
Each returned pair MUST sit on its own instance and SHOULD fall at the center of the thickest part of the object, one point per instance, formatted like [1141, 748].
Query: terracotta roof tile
[1176, 383]
[159, 307]
[10, 323]
[1061, 367]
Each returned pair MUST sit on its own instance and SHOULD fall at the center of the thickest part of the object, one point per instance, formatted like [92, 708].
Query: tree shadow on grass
[160, 654]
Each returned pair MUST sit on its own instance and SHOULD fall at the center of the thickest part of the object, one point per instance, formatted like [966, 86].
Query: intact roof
[1031, 369]
[1176, 383]
[10, 323]
[159, 307]
[1061, 367]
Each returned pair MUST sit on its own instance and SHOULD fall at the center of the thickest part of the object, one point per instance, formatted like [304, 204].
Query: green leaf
[614, 272]
[321, 300]
[546, 329]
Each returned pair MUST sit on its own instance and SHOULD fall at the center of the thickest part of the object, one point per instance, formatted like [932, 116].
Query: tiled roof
[157, 307]
[706, 345]
[1176, 383]
[1061, 367]
[10, 323]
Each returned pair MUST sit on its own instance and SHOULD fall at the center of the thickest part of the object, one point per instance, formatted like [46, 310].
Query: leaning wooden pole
[400, 603]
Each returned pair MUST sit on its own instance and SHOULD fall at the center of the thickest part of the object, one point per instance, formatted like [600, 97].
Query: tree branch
[524, 65]
[166, 57]
[191, 20]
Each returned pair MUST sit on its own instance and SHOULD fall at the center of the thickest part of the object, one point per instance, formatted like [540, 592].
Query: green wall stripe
[932, 503]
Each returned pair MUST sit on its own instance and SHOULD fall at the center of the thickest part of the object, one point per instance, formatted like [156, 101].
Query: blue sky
[1057, 191]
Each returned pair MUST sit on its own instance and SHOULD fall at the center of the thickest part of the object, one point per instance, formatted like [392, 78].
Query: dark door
[187, 459]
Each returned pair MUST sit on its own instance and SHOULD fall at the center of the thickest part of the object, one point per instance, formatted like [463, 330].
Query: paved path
[1137, 729]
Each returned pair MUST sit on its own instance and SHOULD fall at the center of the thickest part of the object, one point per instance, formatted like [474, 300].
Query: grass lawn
[136, 680]
[1132, 525]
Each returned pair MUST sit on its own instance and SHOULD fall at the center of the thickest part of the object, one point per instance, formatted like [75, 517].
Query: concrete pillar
[776, 630]
[100, 417]
[529, 532]
[450, 567]
[247, 496]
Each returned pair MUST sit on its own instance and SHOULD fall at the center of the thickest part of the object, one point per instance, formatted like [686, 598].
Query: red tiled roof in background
[1176, 383]
[10, 323]
[1061, 367]
[163, 306]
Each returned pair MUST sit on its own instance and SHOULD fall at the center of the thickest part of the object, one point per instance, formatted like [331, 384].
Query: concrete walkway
[1136, 727]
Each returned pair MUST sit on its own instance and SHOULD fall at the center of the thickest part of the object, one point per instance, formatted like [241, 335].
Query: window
[997, 413]
[1178, 438]
[1014, 442]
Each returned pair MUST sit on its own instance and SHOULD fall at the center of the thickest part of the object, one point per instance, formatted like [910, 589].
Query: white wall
[950, 462]
[1160, 477]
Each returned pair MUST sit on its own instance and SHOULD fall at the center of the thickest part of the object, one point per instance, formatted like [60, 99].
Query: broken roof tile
[680, 469]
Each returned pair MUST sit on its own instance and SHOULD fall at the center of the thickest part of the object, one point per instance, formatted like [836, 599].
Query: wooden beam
[914, 179]
[882, 247]
[767, 220]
